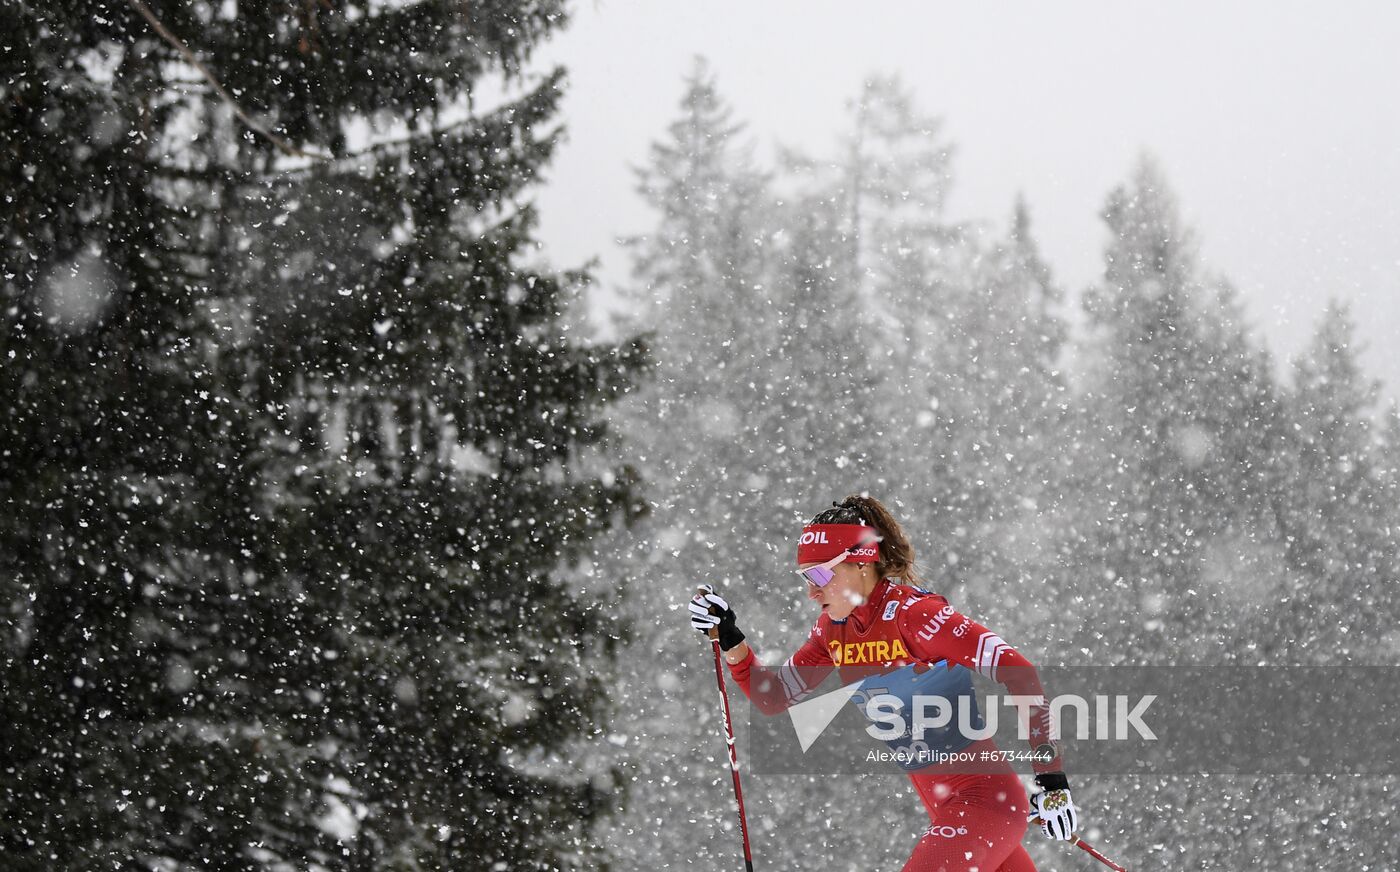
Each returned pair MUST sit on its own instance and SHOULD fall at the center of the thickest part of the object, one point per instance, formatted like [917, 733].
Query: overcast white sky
[1276, 122]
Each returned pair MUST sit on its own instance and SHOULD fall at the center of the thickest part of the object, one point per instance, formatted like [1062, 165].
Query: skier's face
[850, 585]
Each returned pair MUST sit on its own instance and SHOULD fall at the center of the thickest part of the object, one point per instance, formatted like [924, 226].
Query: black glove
[708, 609]
[1052, 806]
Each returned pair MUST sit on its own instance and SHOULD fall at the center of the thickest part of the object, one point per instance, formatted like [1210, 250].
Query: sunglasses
[822, 575]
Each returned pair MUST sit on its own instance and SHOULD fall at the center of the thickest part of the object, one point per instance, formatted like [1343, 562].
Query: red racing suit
[977, 814]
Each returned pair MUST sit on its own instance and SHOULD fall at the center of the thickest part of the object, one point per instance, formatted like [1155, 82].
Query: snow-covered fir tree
[301, 471]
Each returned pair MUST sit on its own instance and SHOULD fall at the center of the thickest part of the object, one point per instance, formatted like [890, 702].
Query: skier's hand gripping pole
[709, 613]
[1053, 810]
[1074, 839]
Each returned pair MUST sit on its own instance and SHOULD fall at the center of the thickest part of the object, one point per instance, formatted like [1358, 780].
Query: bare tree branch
[188, 55]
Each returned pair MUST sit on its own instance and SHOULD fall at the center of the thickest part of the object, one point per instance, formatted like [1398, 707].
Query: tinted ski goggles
[822, 574]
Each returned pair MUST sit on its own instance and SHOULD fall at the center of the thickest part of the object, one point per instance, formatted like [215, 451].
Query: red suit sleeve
[934, 631]
[772, 691]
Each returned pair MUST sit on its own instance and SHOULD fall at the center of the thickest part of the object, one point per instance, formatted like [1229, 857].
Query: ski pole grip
[713, 632]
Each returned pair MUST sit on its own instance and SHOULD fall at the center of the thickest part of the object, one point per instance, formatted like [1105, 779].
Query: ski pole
[733, 752]
[1094, 852]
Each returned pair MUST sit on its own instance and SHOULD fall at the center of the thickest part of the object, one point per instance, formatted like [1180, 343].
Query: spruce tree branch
[188, 55]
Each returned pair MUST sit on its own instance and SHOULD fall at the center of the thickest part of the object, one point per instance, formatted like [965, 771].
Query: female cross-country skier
[876, 621]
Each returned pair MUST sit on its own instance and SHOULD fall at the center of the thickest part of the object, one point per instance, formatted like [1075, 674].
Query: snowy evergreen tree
[1177, 427]
[1335, 517]
[300, 471]
[1000, 418]
[825, 370]
[887, 186]
[691, 428]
